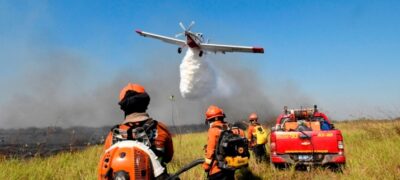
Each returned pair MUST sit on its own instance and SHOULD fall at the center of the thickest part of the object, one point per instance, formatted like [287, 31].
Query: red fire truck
[306, 137]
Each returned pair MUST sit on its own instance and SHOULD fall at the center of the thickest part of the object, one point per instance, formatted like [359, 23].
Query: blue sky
[343, 53]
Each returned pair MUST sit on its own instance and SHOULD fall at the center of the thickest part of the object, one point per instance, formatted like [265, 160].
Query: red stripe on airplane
[191, 43]
[139, 31]
[258, 50]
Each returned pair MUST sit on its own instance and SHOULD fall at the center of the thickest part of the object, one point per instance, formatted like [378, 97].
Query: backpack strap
[114, 132]
[114, 127]
[217, 147]
[147, 126]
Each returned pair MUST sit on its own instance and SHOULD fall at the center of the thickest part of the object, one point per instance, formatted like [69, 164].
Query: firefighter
[258, 147]
[133, 101]
[215, 118]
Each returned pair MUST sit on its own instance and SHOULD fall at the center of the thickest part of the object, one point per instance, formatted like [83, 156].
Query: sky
[344, 55]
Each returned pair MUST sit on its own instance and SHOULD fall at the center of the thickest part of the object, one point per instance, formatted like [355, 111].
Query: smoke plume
[59, 91]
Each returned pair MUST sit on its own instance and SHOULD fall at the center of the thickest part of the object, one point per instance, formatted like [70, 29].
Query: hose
[186, 168]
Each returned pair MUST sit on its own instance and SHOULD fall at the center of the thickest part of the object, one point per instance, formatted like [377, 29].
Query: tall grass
[372, 151]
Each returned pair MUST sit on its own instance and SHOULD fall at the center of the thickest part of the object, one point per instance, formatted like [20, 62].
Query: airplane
[196, 41]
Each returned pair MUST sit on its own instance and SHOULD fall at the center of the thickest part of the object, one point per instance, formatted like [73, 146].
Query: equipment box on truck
[306, 137]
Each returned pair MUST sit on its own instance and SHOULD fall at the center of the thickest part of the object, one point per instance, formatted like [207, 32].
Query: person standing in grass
[134, 101]
[257, 137]
[215, 118]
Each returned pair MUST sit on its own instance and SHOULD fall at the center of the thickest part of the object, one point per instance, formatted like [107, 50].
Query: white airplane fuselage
[192, 40]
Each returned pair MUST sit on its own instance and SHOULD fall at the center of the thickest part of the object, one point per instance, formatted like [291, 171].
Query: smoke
[59, 91]
[237, 89]
[198, 78]
[53, 89]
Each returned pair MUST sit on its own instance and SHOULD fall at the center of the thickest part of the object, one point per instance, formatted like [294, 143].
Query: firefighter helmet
[253, 117]
[213, 112]
[131, 87]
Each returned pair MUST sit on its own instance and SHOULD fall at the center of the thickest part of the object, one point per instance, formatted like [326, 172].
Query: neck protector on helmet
[134, 102]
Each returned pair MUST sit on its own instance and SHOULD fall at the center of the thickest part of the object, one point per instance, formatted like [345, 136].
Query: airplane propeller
[184, 28]
[190, 26]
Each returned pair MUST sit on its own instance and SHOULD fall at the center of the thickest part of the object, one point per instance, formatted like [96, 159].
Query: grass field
[372, 149]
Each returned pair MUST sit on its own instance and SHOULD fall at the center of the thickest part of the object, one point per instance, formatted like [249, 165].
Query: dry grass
[372, 150]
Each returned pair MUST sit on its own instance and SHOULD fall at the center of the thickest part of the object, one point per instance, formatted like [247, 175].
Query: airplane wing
[162, 38]
[229, 48]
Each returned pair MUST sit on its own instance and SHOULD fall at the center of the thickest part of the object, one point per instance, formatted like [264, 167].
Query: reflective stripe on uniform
[160, 149]
[207, 161]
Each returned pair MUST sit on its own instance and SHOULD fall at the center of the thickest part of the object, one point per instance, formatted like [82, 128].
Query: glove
[206, 167]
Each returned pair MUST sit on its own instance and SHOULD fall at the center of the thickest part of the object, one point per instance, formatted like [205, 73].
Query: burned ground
[30, 142]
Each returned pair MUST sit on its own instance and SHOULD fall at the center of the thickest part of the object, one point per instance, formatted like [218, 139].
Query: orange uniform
[258, 149]
[250, 132]
[214, 133]
[162, 142]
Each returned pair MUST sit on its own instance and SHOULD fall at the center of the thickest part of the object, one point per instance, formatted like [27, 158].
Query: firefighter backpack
[232, 151]
[130, 156]
[260, 134]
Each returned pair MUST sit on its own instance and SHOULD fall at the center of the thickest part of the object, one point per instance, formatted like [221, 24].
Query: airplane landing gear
[201, 53]
[179, 50]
